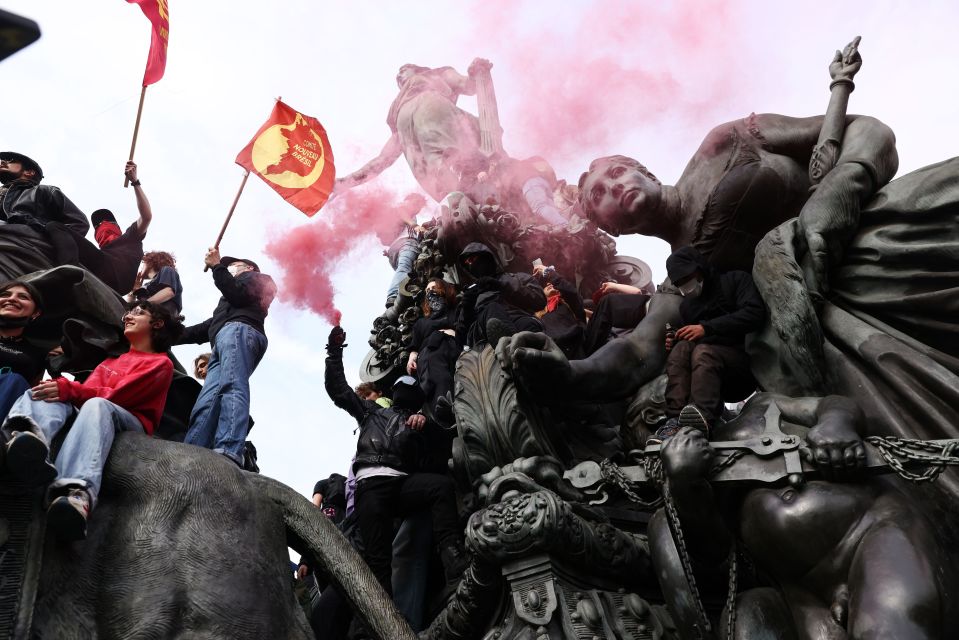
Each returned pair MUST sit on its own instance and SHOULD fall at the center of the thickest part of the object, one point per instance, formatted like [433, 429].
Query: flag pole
[136, 132]
[229, 216]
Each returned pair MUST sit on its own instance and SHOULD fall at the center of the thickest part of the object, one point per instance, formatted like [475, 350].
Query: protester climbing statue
[825, 508]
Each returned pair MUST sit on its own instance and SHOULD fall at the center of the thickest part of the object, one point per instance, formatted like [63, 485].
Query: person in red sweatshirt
[122, 394]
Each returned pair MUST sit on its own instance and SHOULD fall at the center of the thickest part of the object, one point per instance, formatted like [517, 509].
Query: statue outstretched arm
[612, 373]
[391, 151]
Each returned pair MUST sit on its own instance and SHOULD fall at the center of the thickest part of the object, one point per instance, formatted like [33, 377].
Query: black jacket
[519, 290]
[384, 438]
[35, 204]
[245, 299]
[728, 308]
[566, 324]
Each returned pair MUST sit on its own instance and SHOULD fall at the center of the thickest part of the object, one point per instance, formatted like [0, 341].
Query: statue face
[621, 199]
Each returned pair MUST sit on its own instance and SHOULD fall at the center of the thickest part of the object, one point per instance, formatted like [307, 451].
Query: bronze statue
[438, 139]
[851, 557]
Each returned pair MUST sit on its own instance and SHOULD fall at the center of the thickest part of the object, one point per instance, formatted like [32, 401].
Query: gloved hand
[336, 341]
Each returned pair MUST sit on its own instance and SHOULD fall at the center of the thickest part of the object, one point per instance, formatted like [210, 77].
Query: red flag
[292, 154]
[158, 13]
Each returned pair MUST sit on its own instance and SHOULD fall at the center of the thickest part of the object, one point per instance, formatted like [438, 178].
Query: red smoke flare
[571, 80]
[309, 254]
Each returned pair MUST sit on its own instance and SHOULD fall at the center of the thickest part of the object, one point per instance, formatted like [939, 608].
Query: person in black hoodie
[563, 318]
[221, 416]
[708, 354]
[505, 302]
[387, 484]
[435, 347]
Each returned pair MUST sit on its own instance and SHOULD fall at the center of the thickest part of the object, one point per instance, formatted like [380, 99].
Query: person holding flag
[221, 416]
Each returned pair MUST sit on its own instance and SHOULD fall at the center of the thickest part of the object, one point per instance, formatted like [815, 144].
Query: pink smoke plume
[308, 254]
[572, 80]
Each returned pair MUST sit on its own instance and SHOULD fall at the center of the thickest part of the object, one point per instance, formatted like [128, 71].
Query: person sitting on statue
[21, 363]
[708, 356]
[563, 317]
[118, 257]
[616, 306]
[158, 281]
[434, 348]
[747, 177]
[504, 302]
[387, 483]
[122, 394]
[27, 211]
[841, 555]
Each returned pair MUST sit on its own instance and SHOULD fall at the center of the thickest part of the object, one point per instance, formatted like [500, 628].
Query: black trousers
[614, 311]
[699, 373]
[379, 499]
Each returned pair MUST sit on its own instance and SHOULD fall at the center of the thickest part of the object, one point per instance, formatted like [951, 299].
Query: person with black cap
[707, 361]
[221, 416]
[118, 260]
[23, 200]
[38, 223]
[388, 483]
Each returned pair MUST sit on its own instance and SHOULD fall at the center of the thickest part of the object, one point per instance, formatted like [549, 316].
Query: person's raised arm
[334, 377]
[143, 205]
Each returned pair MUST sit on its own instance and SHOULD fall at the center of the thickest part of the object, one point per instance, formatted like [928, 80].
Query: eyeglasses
[135, 312]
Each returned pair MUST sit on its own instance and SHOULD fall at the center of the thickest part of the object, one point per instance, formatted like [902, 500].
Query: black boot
[27, 453]
[497, 329]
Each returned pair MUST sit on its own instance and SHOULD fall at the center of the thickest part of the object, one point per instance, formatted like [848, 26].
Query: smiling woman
[21, 363]
[122, 394]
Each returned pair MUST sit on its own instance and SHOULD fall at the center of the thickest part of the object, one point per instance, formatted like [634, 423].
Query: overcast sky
[574, 82]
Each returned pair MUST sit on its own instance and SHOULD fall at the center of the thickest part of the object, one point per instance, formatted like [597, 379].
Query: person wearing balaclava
[118, 257]
[707, 362]
[388, 482]
[435, 347]
[496, 304]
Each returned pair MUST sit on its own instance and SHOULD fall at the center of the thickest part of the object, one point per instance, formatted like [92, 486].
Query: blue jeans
[404, 265]
[539, 197]
[221, 416]
[85, 449]
[12, 386]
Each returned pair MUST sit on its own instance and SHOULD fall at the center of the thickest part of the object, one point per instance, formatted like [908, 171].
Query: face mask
[14, 323]
[692, 289]
[106, 233]
[435, 301]
[236, 270]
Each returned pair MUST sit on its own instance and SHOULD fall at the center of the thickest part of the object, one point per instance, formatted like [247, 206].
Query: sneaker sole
[65, 521]
[27, 460]
[690, 416]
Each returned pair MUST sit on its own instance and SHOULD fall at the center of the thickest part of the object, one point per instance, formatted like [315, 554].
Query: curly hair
[162, 337]
[156, 260]
[447, 290]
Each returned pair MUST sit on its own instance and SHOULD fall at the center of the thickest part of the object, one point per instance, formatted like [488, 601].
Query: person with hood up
[707, 359]
[388, 485]
[497, 304]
